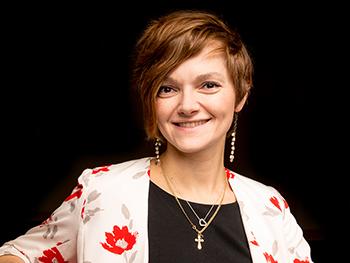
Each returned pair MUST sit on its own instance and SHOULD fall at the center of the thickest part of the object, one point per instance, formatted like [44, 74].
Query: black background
[67, 105]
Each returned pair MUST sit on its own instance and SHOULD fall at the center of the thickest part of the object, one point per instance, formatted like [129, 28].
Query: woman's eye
[210, 85]
[165, 91]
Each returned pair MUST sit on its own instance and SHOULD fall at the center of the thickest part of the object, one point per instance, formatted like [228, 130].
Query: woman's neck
[196, 177]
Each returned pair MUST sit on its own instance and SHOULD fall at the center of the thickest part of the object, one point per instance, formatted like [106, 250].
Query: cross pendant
[199, 241]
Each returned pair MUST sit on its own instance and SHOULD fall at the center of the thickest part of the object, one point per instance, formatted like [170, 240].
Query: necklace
[200, 237]
[201, 221]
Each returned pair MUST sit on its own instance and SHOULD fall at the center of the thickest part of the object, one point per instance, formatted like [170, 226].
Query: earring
[157, 144]
[233, 140]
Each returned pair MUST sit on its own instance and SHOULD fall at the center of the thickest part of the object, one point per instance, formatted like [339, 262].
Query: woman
[194, 75]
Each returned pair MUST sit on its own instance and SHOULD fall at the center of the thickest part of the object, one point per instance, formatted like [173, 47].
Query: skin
[10, 259]
[195, 108]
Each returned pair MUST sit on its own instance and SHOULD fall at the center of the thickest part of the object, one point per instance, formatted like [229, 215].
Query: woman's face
[196, 103]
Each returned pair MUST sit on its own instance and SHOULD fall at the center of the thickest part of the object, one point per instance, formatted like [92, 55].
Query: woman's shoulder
[129, 165]
[257, 190]
[135, 168]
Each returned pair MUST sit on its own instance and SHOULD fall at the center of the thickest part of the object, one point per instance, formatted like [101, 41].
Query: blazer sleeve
[55, 239]
[297, 245]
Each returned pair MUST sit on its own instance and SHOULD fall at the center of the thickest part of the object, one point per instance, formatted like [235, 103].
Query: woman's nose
[188, 104]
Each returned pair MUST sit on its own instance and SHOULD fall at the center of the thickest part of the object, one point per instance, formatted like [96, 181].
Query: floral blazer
[105, 217]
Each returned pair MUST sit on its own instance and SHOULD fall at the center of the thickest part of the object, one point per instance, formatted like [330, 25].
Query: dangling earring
[233, 134]
[157, 144]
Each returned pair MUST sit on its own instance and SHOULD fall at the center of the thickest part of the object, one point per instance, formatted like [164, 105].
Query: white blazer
[105, 220]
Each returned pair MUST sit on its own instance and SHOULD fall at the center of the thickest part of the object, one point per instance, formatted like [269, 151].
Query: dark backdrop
[67, 103]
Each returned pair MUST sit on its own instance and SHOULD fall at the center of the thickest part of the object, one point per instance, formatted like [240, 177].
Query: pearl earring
[233, 139]
[157, 144]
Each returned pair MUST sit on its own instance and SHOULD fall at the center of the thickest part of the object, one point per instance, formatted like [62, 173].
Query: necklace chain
[200, 236]
[201, 221]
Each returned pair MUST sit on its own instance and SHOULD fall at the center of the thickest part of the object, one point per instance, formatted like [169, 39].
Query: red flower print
[285, 204]
[229, 174]
[301, 261]
[120, 240]
[52, 255]
[78, 190]
[269, 258]
[275, 202]
[254, 242]
[100, 169]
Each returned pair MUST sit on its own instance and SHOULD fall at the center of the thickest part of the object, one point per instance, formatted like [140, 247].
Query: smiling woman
[194, 75]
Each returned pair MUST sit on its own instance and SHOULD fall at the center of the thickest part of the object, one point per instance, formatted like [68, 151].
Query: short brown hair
[176, 37]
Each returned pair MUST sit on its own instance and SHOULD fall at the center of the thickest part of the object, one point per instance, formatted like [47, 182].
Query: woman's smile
[191, 124]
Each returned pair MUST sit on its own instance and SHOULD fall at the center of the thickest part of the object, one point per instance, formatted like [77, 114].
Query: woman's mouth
[190, 124]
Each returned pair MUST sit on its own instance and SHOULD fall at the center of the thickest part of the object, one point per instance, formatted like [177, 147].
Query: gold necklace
[202, 221]
[200, 236]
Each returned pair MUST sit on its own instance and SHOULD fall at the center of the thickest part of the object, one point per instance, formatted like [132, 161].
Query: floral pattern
[52, 255]
[98, 170]
[78, 190]
[275, 202]
[119, 240]
[269, 258]
[301, 261]
[87, 214]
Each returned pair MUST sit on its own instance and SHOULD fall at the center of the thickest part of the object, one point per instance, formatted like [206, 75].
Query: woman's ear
[240, 104]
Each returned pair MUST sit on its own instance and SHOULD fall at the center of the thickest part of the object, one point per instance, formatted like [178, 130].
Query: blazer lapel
[253, 225]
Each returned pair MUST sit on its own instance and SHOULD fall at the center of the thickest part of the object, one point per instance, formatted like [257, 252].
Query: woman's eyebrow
[199, 78]
[209, 75]
[170, 81]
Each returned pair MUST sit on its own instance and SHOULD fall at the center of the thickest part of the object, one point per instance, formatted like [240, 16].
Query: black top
[172, 239]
